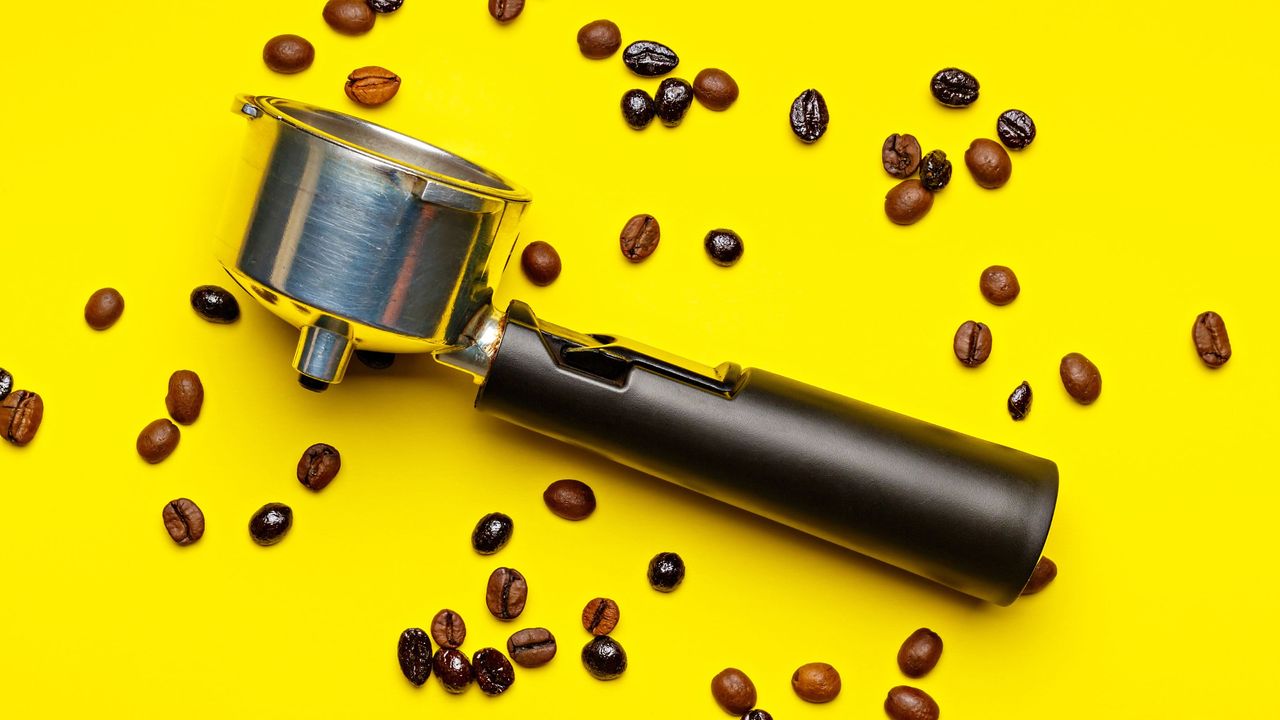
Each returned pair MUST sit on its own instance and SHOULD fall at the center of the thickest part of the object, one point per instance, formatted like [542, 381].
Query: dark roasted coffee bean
[215, 304]
[570, 499]
[494, 674]
[604, 658]
[935, 171]
[733, 691]
[104, 308]
[492, 533]
[270, 523]
[988, 163]
[1016, 129]
[809, 116]
[532, 647]
[920, 653]
[666, 571]
[640, 237]
[158, 440]
[972, 343]
[1081, 378]
[506, 593]
[999, 285]
[375, 360]
[600, 616]
[20, 415]
[448, 629]
[6, 383]
[724, 246]
[349, 17]
[384, 6]
[908, 703]
[540, 262]
[288, 54]
[637, 109]
[1210, 337]
[185, 397]
[649, 59]
[1020, 401]
[452, 669]
[372, 85]
[907, 202]
[900, 155]
[414, 652]
[183, 520]
[1046, 570]
[504, 11]
[715, 89]
[318, 466]
[816, 682]
[757, 714]
[954, 87]
[599, 39]
[672, 101]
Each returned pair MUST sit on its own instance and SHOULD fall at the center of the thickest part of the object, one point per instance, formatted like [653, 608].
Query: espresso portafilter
[364, 238]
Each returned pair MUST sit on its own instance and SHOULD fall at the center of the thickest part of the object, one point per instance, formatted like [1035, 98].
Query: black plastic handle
[967, 513]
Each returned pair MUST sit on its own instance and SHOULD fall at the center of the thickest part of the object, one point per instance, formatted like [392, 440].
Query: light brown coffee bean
[640, 237]
[104, 308]
[599, 39]
[1210, 337]
[504, 11]
[1046, 570]
[158, 440]
[21, 413]
[318, 466]
[907, 202]
[733, 691]
[349, 17]
[1081, 378]
[372, 85]
[989, 163]
[972, 344]
[715, 89]
[184, 521]
[532, 647]
[908, 703]
[920, 653]
[448, 629]
[288, 54]
[600, 616]
[816, 682]
[185, 398]
[506, 593]
[999, 285]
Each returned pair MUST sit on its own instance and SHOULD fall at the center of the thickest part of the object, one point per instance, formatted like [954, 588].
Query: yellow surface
[1146, 199]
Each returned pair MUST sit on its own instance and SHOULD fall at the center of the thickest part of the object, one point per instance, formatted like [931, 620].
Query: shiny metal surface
[481, 340]
[382, 241]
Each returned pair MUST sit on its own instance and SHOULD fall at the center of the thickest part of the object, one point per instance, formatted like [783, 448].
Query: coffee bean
[1016, 129]
[599, 39]
[908, 703]
[809, 116]
[104, 308]
[907, 202]
[715, 89]
[504, 11]
[724, 246]
[215, 304]
[1020, 401]
[640, 237]
[672, 101]
[900, 155]
[452, 669]
[666, 571]
[1046, 570]
[637, 109]
[185, 397]
[649, 59]
[988, 163]
[570, 499]
[20, 415]
[999, 285]
[816, 682]
[184, 521]
[540, 262]
[384, 6]
[1081, 378]
[954, 87]
[492, 533]
[414, 653]
[1210, 337]
[973, 343]
[288, 54]
[494, 674]
[532, 647]
[6, 383]
[349, 17]
[318, 466]
[448, 629]
[158, 440]
[757, 714]
[372, 85]
[920, 653]
[733, 691]
[270, 523]
[600, 616]
[375, 360]
[935, 171]
[506, 593]
[604, 658]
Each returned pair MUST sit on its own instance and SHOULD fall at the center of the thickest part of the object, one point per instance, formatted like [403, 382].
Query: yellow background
[1146, 199]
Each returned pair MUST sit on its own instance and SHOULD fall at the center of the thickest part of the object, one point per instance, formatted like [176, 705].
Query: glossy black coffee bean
[604, 658]
[649, 59]
[666, 571]
[724, 246]
[375, 360]
[384, 6]
[492, 533]
[757, 714]
[215, 304]
[672, 101]
[1020, 401]
[954, 87]
[452, 669]
[637, 109]
[271, 523]
[809, 116]
[935, 171]
[494, 674]
[1016, 129]
[414, 653]
[6, 383]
